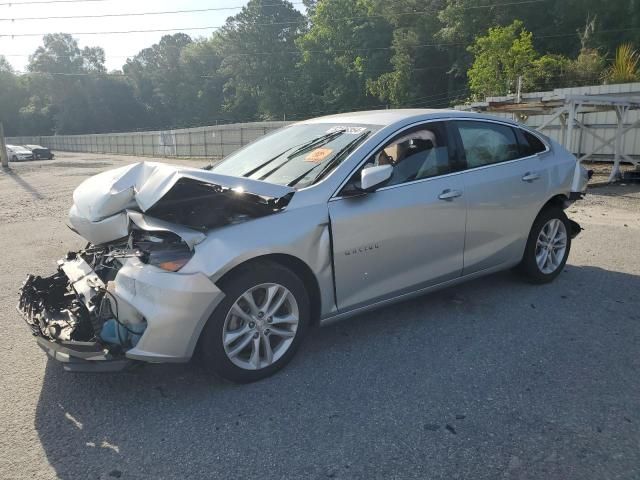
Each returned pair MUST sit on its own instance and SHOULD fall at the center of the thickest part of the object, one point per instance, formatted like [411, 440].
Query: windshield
[298, 155]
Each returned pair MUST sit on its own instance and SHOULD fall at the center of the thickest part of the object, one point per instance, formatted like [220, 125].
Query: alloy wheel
[551, 246]
[260, 326]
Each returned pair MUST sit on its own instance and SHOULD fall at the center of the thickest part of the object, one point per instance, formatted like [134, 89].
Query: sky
[117, 46]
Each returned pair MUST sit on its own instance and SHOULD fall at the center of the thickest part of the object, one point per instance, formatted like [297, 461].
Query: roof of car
[391, 116]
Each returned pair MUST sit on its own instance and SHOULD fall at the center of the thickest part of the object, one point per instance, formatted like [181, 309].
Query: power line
[216, 27]
[364, 49]
[41, 2]
[124, 32]
[473, 7]
[136, 14]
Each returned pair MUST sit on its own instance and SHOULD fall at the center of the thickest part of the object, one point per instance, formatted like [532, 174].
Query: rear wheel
[257, 328]
[547, 247]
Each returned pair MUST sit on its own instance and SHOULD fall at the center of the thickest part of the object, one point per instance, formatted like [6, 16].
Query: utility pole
[3, 149]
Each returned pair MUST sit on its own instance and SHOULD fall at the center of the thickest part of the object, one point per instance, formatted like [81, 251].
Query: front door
[408, 234]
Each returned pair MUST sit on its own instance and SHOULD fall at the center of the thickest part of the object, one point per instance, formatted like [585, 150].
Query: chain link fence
[210, 142]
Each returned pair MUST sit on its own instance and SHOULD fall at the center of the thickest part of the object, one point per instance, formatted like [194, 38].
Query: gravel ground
[492, 379]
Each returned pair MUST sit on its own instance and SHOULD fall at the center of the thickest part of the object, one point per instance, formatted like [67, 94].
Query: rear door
[504, 185]
[408, 234]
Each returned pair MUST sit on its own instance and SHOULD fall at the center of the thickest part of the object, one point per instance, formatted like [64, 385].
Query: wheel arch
[560, 201]
[556, 201]
[297, 266]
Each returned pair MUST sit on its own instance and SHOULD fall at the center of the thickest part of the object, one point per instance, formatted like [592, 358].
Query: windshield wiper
[262, 165]
[305, 147]
[321, 140]
[316, 142]
[331, 163]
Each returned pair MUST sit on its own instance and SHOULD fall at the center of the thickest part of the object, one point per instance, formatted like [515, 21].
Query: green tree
[626, 65]
[259, 58]
[586, 69]
[500, 57]
[547, 73]
[558, 27]
[419, 66]
[60, 72]
[157, 75]
[12, 97]
[111, 105]
[203, 82]
[346, 46]
[60, 54]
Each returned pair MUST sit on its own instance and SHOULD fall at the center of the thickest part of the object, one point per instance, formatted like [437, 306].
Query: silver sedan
[318, 221]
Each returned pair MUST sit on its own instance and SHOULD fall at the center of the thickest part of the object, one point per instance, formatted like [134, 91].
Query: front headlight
[162, 249]
[171, 259]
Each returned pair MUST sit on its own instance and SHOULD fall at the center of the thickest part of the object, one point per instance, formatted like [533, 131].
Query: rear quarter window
[529, 143]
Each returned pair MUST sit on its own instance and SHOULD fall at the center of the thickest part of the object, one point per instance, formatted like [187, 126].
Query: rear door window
[486, 143]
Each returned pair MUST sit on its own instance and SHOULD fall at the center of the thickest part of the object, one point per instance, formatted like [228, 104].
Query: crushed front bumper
[83, 356]
[46, 302]
[174, 306]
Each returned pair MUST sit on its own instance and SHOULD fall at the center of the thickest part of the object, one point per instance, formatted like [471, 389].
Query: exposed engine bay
[78, 302]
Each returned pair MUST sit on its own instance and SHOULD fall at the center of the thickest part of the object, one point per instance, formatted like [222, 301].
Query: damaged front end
[74, 312]
[123, 298]
[92, 313]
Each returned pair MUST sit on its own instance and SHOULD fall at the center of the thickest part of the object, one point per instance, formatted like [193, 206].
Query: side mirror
[373, 177]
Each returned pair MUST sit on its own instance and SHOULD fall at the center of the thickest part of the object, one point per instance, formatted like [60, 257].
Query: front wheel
[257, 328]
[547, 247]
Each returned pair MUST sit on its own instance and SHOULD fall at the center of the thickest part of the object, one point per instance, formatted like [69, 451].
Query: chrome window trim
[335, 195]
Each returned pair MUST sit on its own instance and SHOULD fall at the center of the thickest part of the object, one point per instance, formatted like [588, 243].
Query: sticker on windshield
[318, 155]
[346, 129]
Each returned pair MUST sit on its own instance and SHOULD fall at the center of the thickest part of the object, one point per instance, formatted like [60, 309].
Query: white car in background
[16, 153]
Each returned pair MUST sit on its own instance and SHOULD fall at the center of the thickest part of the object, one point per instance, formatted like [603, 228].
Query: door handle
[530, 177]
[449, 194]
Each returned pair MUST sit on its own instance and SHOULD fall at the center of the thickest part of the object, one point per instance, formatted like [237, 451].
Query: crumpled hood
[100, 203]
[140, 185]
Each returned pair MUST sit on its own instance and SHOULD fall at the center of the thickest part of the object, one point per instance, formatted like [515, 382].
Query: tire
[556, 258]
[224, 322]
[14, 159]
